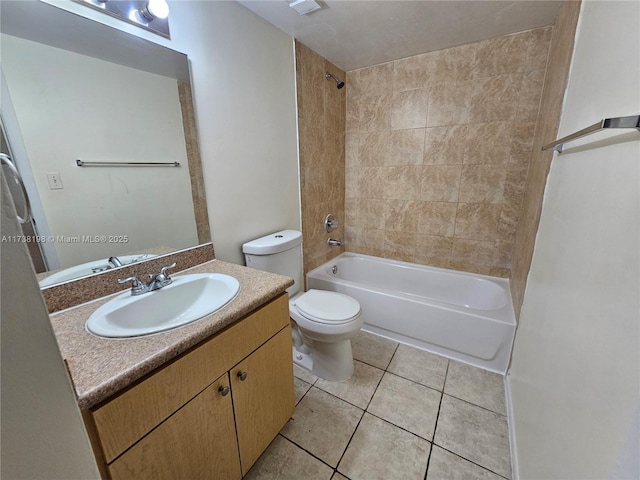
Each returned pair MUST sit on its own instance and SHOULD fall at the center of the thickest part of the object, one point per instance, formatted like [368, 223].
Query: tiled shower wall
[560, 53]
[321, 127]
[437, 150]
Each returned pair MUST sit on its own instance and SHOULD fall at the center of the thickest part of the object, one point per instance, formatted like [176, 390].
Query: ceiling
[359, 33]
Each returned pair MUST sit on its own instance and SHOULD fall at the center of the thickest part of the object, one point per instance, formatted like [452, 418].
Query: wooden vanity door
[262, 388]
[196, 442]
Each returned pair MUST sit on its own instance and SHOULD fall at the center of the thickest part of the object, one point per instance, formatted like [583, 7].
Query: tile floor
[405, 414]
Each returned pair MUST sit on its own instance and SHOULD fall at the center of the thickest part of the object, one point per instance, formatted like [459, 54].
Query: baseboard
[512, 433]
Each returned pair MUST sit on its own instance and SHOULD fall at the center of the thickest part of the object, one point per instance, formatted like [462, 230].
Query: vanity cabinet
[208, 414]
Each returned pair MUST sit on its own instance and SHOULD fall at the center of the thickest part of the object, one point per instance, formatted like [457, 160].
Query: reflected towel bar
[82, 163]
[618, 122]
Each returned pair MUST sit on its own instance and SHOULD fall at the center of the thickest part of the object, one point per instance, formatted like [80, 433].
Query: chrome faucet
[334, 243]
[155, 282]
[115, 261]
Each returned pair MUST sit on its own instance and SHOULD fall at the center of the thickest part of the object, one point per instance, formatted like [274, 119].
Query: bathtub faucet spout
[334, 243]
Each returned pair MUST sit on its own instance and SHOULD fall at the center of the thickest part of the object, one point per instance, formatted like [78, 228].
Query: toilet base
[329, 361]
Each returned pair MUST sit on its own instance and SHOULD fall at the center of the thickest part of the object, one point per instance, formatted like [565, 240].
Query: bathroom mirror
[75, 89]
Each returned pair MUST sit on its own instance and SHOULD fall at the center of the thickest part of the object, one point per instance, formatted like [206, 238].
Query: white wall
[43, 436]
[575, 372]
[243, 74]
[56, 94]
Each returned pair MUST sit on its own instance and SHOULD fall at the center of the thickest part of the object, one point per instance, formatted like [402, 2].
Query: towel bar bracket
[632, 121]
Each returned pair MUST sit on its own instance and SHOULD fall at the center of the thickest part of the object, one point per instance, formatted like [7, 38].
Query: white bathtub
[460, 315]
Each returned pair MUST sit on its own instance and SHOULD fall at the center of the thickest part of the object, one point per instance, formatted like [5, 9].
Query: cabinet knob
[242, 376]
[224, 391]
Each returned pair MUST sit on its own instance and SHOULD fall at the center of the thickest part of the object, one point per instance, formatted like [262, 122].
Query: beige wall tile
[477, 221]
[500, 272]
[470, 267]
[560, 41]
[399, 147]
[375, 113]
[437, 218]
[371, 182]
[509, 215]
[521, 144]
[401, 215]
[495, 98]
[440, 183]
[351, 142]
[351, 179]
[370, 81]
[538, 53]
[503, 251]
[409, 109]
[413, 72]
[372, 240]
[454, 64]
[445, 145]
[488, 143]
[482, 183]
[530, 93]
[403, 181]
[502, 55]
[449, 103]
[353, 113]
[473, 252]
[371, 213]
[400, 245]
[322, 116]
[430, 246]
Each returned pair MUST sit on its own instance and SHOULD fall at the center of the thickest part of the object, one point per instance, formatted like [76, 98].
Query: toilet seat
[329, 308]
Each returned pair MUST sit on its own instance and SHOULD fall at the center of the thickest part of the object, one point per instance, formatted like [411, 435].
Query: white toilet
[323, 322]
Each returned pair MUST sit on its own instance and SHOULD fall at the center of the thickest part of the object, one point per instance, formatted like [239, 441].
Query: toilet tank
[279, 252]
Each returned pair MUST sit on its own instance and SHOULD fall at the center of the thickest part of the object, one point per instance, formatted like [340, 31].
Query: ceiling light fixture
[152, 15]
[155, 9]
[304, 7]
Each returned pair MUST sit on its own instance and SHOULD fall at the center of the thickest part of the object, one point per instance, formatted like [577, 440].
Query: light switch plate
[55, 181]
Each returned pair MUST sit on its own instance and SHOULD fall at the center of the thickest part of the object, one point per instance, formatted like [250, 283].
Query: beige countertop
[100, 367]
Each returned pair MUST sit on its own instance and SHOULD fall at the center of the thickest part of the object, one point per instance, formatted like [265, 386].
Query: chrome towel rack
[632, 121]
[82, 163]
[26, 215]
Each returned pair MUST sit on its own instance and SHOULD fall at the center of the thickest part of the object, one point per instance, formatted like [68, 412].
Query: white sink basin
[85, 269]
[188, 298]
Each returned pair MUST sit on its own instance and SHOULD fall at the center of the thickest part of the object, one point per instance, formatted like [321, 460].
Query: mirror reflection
[64, 106]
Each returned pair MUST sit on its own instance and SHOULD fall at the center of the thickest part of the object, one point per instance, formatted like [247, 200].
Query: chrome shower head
[339, 83]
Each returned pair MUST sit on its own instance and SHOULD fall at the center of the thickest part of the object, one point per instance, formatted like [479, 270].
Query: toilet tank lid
[273, 243]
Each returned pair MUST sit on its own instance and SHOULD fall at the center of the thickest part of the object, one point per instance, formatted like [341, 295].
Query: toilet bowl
[326, 322]
[322, 322]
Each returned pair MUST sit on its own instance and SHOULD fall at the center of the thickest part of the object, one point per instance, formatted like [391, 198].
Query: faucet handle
[162, 279]
[137, 286]
[163, 270]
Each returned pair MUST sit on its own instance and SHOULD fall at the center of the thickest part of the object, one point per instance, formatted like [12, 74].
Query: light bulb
[155, 9]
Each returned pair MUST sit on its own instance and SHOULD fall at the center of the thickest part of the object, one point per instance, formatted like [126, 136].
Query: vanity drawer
[132, 414]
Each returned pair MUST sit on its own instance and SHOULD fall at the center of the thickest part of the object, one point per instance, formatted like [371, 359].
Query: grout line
[417, 383]
[399, 427]
[350, 438]
[307, 451]
[475, 405]
[471, 461]
[342, 399]
[435, 427]
[360, 421]
[394, 354]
